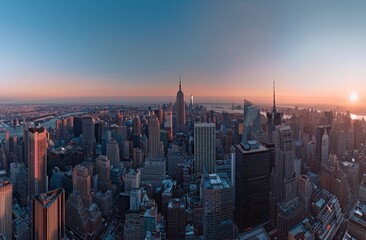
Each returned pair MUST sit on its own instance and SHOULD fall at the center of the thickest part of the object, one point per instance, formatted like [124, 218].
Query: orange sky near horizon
[88, 88]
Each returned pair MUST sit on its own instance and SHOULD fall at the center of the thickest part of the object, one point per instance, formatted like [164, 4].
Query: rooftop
[133, 171]
[216, 181]
[46, 199]
[36, 129]
[258, 233]
[359, 213]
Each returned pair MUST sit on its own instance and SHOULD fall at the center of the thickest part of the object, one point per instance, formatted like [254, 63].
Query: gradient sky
[224, 50]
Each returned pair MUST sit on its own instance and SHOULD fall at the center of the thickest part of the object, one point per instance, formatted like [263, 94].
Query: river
[18, 130]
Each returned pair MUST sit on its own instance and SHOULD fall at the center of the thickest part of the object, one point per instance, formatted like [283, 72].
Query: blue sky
[223, 49]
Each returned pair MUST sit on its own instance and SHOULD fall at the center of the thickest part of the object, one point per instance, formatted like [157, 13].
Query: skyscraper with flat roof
[37, 161]
[252, 184]
[6, 192]
[218, 207]
[48, 216]
[204, 147]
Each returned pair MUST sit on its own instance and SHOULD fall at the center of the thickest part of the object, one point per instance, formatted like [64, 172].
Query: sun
[353, 97]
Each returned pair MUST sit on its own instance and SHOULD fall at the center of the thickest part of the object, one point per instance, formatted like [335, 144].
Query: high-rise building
[119, 119]
[176, 219]
[61, 128]
[136, 125]
[81, 183]
[77, 126]
[305, 190]
[113, 152]
[252, 184]
[132, 179]
[88, 130]
[153, 171]
[284, 182]
[155, 145]
[320, 130]
[204, 147]
[180, 108]
[6, 192]
[49, 215]
[104, 173]
[251, 120]
[325, 147]
[218, 207]
[169, 124]
[37, 161]
[274, 118]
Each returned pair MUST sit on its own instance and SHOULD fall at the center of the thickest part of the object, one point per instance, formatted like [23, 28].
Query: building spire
[180, 83]
[274, 94]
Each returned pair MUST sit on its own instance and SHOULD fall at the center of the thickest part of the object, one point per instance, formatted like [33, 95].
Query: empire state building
[180, 107]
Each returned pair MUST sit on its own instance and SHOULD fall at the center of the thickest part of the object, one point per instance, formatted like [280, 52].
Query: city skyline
[78, 52]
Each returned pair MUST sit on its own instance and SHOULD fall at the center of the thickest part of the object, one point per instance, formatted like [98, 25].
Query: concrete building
[357, 222]
[217, 207]
[286, 206]
[37, 161]
[153, 171]
[6, 195]
[81, 183]
[113, 152]
[132, 179]
[103, 167]
[155, 145]
[48, 216]
[204, 147]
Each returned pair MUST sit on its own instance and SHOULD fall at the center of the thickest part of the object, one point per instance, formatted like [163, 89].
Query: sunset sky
[224, 50]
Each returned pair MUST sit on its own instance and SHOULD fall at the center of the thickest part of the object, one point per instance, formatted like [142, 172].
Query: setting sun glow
[353, 97]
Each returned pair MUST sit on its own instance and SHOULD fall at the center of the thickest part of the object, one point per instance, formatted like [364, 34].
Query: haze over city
[57, 51]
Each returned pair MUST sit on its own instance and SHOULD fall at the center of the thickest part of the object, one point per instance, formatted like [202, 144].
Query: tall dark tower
[274, 117]
[180, 107]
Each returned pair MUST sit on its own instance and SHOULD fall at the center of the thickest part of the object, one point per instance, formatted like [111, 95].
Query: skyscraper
[6, 191]
[273, 117]
[136, 125]
[77, 126]
[252, 184]
[180, 107]
[104, 173]
[155, 145]
[81, 183]
[289, 209]
[218, 207]
[319, 137]
[49, 215]
[88, 129]
[169, 124]
[37, 161]
[204, 147]
[176, 219]
[325, 147]
[251, 120]
[113, 152]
